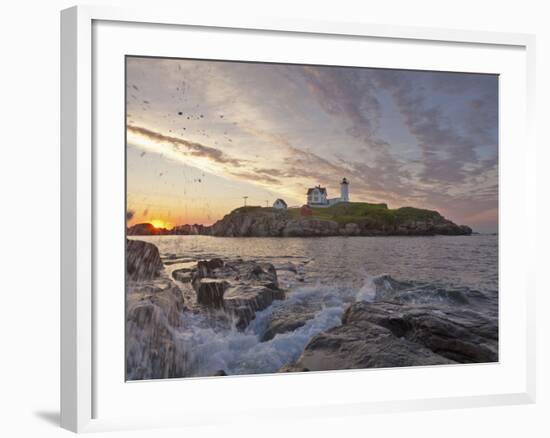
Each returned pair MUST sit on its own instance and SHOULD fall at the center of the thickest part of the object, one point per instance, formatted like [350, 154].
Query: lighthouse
[344, 190]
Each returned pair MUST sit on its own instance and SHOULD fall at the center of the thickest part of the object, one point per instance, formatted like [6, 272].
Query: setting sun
[158, 223]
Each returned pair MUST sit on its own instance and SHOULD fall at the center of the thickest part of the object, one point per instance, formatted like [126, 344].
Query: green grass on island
[350, 212]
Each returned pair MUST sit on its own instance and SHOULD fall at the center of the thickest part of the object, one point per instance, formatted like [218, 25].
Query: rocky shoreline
[388, 331]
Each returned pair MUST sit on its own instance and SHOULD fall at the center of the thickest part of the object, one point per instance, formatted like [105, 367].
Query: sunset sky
[203, 134]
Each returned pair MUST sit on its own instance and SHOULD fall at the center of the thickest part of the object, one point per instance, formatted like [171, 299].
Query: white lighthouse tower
[344, 190]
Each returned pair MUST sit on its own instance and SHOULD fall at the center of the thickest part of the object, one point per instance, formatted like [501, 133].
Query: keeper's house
[317, 196]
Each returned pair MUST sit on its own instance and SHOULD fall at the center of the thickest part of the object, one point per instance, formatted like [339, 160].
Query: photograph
[301, 218]
[307, 219]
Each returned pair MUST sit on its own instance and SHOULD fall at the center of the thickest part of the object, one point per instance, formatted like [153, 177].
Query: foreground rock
[362, 346]
[154, 312]
[142, 260]
[288, 319]
[241, 288]
[210, 291]
[459, 334]
[388, 334]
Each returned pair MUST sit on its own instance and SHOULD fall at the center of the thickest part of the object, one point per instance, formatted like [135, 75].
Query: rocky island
[342, 219]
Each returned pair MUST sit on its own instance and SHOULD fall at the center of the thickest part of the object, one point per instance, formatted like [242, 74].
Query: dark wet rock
[391, 334]
[285, 325]
[265, 274]
[364, 345]
[240, 287]
[142, 260]
[287, 319]
[210, 291]
[212, 264]
[162, 295]
[202, 269]
[219, 373]
[244, 300]
[459, 334]
[154, 309]
[205, 269]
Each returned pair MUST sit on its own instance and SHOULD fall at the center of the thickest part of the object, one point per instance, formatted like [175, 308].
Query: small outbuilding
[280, 204]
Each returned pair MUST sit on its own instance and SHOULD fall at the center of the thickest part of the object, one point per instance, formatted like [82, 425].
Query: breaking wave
[211, 349]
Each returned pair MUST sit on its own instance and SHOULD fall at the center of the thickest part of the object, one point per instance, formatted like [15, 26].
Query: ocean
[323, 276]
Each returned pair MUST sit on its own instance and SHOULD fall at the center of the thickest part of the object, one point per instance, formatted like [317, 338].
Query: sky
[201, 135]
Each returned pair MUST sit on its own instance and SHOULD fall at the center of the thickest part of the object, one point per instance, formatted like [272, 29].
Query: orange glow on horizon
[158, 223]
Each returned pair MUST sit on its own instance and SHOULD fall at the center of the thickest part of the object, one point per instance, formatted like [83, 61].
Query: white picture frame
[81, 170]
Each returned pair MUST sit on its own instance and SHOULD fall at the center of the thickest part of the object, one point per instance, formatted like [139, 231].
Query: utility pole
[245, 198]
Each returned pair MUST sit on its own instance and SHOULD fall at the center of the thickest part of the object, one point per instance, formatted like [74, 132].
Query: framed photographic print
[260, 214]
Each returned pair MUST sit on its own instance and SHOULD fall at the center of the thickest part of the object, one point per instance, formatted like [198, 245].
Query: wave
[435, 294]
[211, 349]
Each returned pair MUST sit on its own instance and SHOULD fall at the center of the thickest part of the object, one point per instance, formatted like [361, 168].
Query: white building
[317, 196]
[279, 204]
